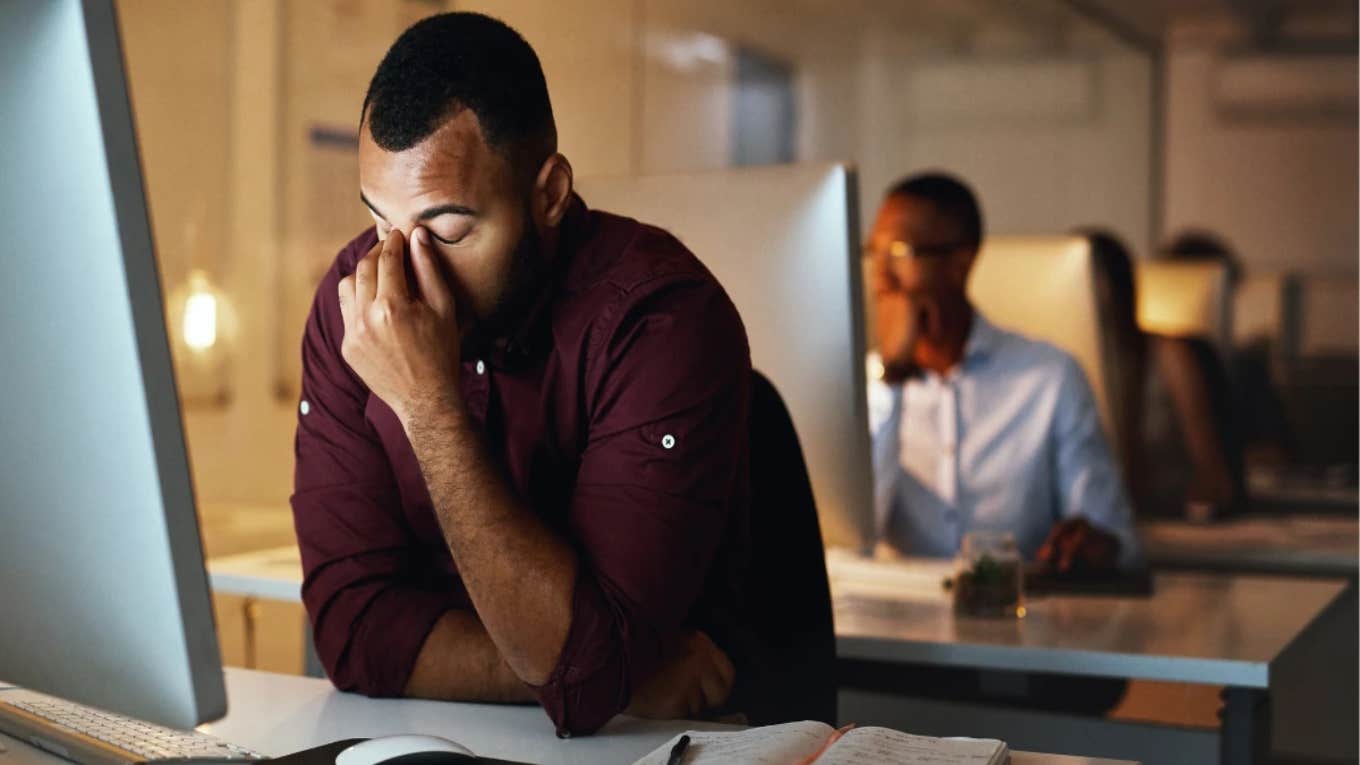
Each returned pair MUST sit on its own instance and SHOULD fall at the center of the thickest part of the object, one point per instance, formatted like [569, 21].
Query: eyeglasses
[900, 250]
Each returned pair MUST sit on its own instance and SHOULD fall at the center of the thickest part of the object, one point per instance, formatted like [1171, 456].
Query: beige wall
[1275, 176]
[1262, 150]
[587, 49]
[203, 97]
[224, 93]
[181, 74]
[1049, 141]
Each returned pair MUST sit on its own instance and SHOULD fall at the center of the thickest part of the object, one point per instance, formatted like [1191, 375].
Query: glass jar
[988, 576]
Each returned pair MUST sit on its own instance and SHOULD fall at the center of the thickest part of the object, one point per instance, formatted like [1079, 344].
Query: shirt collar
[983, 338]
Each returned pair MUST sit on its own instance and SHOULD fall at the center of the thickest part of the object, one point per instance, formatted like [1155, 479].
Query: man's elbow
[581, 706]
[345, 664]
[341, 671]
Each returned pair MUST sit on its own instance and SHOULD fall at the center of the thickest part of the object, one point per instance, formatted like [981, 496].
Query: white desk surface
[1326, 545]
[278, 714]
[1215, 629]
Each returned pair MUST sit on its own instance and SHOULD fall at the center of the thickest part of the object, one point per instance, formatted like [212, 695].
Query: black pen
[678, 751]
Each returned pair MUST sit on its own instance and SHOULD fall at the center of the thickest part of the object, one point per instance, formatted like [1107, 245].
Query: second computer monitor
[782, 240]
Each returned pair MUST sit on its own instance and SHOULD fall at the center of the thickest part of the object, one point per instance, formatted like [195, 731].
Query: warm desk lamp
[202, 326]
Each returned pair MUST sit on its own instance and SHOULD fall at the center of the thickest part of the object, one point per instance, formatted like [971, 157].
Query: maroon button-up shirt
[618, 413]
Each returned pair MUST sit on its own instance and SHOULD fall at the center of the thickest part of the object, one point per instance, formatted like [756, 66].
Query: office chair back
[1044, 288]
[787, 592]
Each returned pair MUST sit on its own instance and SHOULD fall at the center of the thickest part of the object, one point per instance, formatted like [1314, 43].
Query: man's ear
[552, 192]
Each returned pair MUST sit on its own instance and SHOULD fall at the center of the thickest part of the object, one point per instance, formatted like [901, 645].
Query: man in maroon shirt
[521, 445]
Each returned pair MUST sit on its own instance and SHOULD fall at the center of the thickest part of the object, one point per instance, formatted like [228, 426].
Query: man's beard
[525, 281]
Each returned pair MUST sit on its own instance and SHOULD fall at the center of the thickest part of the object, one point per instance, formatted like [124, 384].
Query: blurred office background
[1146, 119]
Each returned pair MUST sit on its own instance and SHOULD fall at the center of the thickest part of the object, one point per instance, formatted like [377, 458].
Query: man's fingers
[433, 289]
[346, 295]
[1101, 550]
[714, 688]
[1071, 547]
[694, 700]
[1053, 548]
[1048, 551]
[391, 269]
[716, 673]
[1045, 554]
[366, 278]
[726, 671]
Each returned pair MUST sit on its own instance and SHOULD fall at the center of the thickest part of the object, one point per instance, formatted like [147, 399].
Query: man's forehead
[455, 154]
[910, 218]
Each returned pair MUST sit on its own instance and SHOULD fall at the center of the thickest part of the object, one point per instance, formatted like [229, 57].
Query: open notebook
[811, 741]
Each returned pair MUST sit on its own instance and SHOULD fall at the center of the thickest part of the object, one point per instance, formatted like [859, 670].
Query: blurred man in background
[976, 428]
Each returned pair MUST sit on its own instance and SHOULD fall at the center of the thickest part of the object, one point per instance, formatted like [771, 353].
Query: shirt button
[481, 367]
[304, 407]
[668, 441]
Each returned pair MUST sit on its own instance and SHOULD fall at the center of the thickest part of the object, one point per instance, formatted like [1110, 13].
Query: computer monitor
[782, 240]
[1185, 298]
[103, 595]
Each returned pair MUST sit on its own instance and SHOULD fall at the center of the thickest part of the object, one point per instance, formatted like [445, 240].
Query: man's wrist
[441, 409]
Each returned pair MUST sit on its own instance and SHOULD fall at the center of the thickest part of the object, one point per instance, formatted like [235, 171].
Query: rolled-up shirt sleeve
[661, 475]
[369, 610]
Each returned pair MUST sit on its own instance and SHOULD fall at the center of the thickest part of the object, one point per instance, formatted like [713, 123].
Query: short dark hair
[454, 61]
[951, 197]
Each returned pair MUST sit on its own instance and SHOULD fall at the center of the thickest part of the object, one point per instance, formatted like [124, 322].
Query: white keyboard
[65, 728]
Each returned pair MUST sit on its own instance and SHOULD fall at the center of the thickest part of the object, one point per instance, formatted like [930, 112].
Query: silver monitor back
[782, 240]
[103, 595]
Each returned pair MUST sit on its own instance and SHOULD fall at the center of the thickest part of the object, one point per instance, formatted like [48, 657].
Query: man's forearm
[520, 576]
[458, 662]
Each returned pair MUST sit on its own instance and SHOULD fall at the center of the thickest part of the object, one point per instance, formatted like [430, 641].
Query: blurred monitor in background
[1190, 422]
[976, 428]
[781, 241]
[1255, 405]
[1180, 449]
[1210, 408]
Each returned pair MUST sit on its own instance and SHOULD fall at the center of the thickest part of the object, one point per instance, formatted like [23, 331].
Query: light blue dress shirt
[1009, 440]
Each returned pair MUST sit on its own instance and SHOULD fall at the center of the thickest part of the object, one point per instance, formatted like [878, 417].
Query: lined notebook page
[770, 745]
[866, 745]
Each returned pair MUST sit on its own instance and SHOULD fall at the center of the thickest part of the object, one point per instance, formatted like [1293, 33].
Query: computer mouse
[400, 750]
